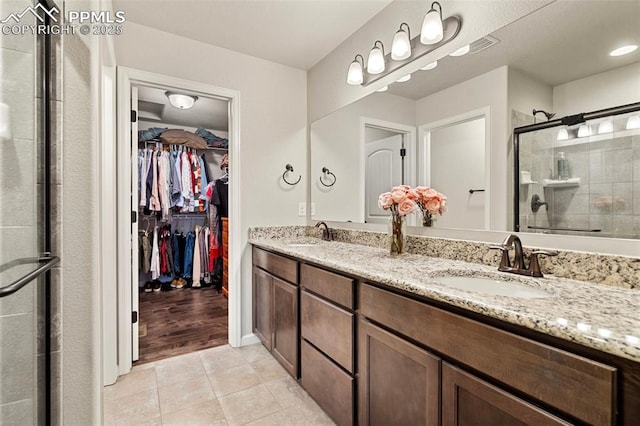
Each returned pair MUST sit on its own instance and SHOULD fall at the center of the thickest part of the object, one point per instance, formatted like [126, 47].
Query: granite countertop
[603, 318]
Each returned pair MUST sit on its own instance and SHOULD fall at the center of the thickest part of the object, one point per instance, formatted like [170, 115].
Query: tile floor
[218, 386]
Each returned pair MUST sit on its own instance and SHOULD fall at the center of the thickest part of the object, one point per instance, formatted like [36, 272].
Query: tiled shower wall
[608, 197]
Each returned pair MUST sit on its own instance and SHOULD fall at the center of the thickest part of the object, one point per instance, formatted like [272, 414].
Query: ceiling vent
[483, 43]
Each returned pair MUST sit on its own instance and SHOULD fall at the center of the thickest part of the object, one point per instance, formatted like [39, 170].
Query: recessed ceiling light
[382, 89]
[403, 79]
[624, 50]
[462, 51]
[430, 66]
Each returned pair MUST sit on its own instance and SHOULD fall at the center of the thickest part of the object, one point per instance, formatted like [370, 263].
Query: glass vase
[397, 234]
[427, 219]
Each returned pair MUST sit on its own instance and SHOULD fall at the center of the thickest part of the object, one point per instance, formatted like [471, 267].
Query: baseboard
[249, 339]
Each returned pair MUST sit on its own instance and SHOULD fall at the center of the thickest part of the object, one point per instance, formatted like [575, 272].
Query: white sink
[301, 245]
[493, 287]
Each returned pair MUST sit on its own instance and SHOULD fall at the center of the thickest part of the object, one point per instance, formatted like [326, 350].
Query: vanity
[381, 342]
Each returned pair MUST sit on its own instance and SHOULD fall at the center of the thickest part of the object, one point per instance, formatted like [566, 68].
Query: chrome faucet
[327, 235]
[518, 267]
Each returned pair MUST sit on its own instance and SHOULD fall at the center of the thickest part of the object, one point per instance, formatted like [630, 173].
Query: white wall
[617, 87]
[486, 90]
[327, 88]
[527, 94]
[335, 144]
[272, 123]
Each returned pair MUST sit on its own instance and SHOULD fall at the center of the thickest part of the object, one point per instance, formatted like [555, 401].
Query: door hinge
[134, 217]
[134, 317]
[134, 116]
[403, 152]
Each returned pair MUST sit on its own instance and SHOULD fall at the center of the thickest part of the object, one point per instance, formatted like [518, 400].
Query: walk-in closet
[181, 192]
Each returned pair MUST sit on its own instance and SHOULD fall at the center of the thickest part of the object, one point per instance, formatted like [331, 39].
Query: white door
[456, 164]
[135, 320]
[383, 170]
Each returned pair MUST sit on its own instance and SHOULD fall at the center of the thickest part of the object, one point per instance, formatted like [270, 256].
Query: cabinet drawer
[327, 284]
[328, 327]
[327, 384]
[277, 265]
[575, 385]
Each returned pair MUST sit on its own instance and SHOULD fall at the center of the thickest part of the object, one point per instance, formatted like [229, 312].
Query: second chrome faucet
[518, 264]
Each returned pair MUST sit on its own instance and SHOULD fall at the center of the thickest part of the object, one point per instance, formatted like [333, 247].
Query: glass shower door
[24, 182]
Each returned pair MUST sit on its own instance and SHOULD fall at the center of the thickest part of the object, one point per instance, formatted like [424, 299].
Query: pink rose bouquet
[430, 202]
[401, 200]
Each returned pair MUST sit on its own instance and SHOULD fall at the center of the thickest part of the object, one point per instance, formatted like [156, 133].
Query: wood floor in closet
[181, 321]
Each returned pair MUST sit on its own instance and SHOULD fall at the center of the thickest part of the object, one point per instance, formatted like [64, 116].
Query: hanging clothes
[196, 259]
[155, 256]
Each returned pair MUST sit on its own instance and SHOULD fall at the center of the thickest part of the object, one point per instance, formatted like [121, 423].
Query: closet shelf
[556, 183]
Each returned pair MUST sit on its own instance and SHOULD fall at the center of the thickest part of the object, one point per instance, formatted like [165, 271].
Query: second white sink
[493, 287]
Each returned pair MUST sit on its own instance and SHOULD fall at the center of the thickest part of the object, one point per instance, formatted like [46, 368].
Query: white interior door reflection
[453, 162]
[384, 169]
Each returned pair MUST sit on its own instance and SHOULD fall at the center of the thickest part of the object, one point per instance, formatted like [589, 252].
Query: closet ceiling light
[633, 122]
[462, 51]
[432, 29]
[401, 47]
[623, 50]
[375, 63]
[563, 135]
[430, 66]
[383, 89]
[181, 101]
[354, 76]
[403, 79]
[605, 127]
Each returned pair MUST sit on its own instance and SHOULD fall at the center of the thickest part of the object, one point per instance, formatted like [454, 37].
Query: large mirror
[451, 127]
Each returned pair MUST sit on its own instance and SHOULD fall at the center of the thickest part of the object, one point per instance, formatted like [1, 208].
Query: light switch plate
[302, 209]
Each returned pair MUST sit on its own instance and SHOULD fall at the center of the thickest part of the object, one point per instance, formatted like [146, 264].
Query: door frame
[424, 142]
[409, 131]
[126, 78]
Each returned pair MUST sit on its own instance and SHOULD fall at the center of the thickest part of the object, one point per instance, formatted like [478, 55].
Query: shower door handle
[46, 263]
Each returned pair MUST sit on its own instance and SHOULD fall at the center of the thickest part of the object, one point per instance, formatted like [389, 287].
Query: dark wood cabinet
[275, 307]
[398, 383]
[262, 306]
[470, 401]
[285, 325]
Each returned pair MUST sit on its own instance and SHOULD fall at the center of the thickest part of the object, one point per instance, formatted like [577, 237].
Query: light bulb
[383, 89]
[432, 31]
[462, 51]
[584, 131]
[403, 79]
[5, 122]
[354, 76]
[563, 135]
[375, 62]
[430, 66]
[624, 50]
[605, 127]
[401, 47]
[633, 122]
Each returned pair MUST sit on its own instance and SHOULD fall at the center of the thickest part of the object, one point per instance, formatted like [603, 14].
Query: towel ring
[289, 168]
[326, 171]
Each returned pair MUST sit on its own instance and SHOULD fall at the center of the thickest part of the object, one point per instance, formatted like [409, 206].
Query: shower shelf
[566, 183]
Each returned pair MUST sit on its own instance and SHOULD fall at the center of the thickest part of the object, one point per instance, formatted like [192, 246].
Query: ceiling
[208, 113]
[298, 33]
[558, 43]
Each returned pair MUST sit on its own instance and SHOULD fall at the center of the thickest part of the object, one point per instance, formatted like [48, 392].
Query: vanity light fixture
[633, 122]
[605, 127]
[354, 76]
[584, 131]
[401, 46]
[181, 101]
[383, 89]
[623, 50]
[460, 52]
[563, 135]
[432, 29]
[430, 66]
[403, 79]
[375, 63]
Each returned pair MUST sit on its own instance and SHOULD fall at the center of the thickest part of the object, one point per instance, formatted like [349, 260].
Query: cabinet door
[285, 325]
[262, 306]
[467, 400]
[399, 383]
